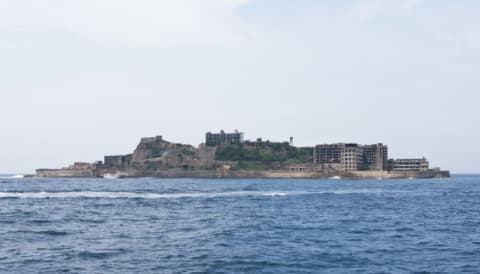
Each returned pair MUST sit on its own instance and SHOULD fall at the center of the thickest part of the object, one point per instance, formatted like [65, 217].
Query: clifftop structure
[229, 155]
[222, 138]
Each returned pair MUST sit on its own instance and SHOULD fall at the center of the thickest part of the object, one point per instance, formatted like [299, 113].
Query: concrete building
[299, 167]
[375, 157]
[223, 138]
[80, 165]
[146, 140]
[328, 154]
[117, 161]
[410, 165]
[351, 157]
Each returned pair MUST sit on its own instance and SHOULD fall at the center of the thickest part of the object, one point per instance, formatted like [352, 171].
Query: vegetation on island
[263, 152]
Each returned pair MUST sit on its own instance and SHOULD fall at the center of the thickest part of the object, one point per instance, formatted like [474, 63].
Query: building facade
[328, 154]
[351, 157]
[410, 165]
[375, 157]
[223, 138]
[117, 161]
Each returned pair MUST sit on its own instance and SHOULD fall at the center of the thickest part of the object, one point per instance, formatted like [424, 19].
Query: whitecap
[368, 191]
[134, 195]
[276, 194]
[19, 176]
[193, 195]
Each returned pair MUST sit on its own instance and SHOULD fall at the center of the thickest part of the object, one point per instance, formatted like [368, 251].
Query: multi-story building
[223, 138]
[375, 157]
[351, 157]
[410, 165]
[328, 154]
[117, 161]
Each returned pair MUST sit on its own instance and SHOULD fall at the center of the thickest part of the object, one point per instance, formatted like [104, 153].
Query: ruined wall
[64, 173]
[206, 155]
[398, 174]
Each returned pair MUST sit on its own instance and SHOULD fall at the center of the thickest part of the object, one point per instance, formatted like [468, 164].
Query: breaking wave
[135, 195]
[13, 177]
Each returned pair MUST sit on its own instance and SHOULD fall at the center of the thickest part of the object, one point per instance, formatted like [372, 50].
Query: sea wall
[421, 174]
[397, 174]
[64, 173]
[226, 173]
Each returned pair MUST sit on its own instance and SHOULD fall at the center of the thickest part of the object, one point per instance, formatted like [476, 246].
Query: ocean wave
[276, 194]
[20, 176]
[44, 232]
[100, 254]
[135, 195]
[369, 191]
[140, 195]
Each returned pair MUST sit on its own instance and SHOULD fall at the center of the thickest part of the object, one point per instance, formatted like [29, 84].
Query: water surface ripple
[239, 226]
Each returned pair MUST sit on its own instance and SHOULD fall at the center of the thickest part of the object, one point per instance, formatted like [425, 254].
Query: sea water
[239, 226]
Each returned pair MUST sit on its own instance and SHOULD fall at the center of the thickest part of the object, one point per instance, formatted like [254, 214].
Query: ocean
[239, 226]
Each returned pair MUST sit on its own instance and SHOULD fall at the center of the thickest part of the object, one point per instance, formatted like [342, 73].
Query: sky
[84, 79]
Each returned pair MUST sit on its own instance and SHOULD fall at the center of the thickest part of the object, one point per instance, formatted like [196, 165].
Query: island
[228, 155]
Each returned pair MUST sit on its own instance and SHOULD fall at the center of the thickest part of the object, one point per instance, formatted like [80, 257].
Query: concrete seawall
[64, 173]
[221, 173]
[284, 174]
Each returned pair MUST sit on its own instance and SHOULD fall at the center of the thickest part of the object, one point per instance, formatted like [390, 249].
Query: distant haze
[83, 79]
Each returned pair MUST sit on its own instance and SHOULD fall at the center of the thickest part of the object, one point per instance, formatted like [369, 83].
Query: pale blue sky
[81, 79]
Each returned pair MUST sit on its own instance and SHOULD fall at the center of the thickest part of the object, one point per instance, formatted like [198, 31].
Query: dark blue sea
[239, 226]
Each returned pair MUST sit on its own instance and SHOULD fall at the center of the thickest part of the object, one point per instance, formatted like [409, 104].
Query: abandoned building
[223, 138]
[351, 157]
[410, 165]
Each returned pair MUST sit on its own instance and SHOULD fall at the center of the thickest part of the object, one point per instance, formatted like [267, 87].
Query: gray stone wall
[64, 173]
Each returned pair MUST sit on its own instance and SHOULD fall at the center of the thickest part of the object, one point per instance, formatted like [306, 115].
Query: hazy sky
[82, 79]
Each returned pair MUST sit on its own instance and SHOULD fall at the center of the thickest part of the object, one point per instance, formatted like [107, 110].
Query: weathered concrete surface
[398, 174]
[279, 174]
[226, 173]
[64, 173]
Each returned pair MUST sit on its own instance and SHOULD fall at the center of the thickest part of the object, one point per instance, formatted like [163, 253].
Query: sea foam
[143, 195]
[135, 195]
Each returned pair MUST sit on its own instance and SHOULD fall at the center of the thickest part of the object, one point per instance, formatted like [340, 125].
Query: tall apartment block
[223, 138]
[328, 154]
[375, 157]
[351, 157]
